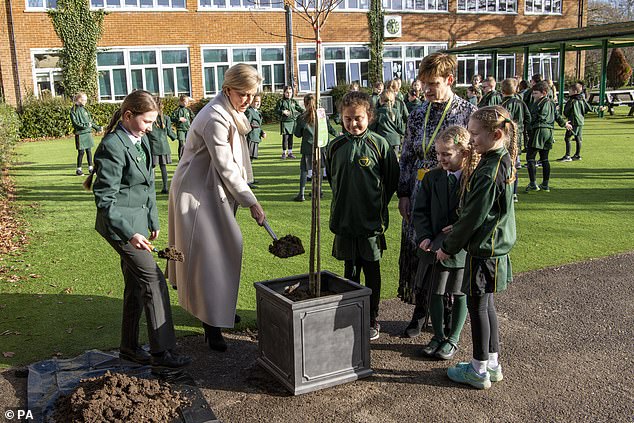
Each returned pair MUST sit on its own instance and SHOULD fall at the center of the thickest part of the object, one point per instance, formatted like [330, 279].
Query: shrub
[102, 112]
[9, 133]
[269, 100]
[47, 117]
[618, 70]
[169, 104]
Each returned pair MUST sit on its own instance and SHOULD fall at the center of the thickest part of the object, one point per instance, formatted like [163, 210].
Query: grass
[62, 294]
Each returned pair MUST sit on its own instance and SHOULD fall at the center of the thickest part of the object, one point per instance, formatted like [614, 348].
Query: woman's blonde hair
[460, 139]
[492, 118]
[242, 77]
[437, 65]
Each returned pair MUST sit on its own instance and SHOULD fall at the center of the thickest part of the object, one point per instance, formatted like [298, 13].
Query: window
[545, 64]
[41, 4]
[269, 61]
[416, 5]
[47, 74]
[402, 61]
[162, 72]
[487, 6]
[241, 4]
[137, 4]
[543, 7]
[482, 64]
[353, 5]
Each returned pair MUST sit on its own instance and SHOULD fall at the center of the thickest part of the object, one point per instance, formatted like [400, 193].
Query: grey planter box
[315, 343]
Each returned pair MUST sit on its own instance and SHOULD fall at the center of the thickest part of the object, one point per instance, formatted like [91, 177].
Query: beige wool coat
[209, 184]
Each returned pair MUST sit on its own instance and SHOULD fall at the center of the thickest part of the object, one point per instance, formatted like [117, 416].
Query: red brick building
[173, 47]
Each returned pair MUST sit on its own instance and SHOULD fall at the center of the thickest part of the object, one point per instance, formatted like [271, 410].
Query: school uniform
[543, 116]
[363, 173]
[182, 127]
[575, 110]
[520, 114]
[374, 100]
[159, 146]
[255, 136]
[306, 132]
[491, 98]
[411, 105]
[287, 123]
[388, 123]
[126, 205]
[82, 127]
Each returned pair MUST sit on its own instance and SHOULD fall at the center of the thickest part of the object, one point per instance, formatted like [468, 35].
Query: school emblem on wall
[364, 161]
[392, 26]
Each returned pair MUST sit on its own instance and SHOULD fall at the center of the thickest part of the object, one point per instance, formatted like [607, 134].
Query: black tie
[451, 178]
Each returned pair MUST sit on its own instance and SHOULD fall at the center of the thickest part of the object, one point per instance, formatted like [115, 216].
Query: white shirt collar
[457, 173]
[132, 137]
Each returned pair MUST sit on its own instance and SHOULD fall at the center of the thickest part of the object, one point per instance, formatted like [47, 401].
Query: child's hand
[425, 244]
[447, 229]
[286, 112]
[568, 126]
[441, 255]
[263, 134]
[183, 119]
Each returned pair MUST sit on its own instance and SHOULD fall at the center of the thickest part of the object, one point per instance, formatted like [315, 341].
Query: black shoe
[214, 338]
[446, 351]
[164, 191]
[414, 328]
[255, 182]
[251, 185]
[237, 319]
[170, 360]
[139, 355]
[576, 157]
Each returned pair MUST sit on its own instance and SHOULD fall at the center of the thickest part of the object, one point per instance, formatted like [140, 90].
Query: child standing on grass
[486, 230]
[575, 110]
[436, 209]
[363, 174]
[305, 129]
[288, 110]
[388, 122]
[543, 116]
[160, 148]
[83, 126]
[257, 134]
[182, 118]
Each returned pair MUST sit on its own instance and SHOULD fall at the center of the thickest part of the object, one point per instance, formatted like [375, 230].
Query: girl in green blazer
[288, 110]
[83, 126]
[159, 146]
[127, 218]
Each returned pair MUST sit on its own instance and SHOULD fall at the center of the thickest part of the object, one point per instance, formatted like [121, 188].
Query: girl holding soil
[436, 209]
[363, 174]
[126, 210]
[486, 229]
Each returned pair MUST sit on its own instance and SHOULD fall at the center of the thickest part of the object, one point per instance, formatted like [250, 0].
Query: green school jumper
[411, 105]
[287, 123]
[363, 174]
[575, 110]
[486, 226]
[182, 127]
[520, 114]
[388, 123]
[543, 116]
[255, 119]
[491, 98]
[82, 127]
[161, 129]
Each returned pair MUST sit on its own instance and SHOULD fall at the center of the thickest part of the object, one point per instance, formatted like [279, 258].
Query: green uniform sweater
[161, 129]
[389, 123]
[575, 110]
[543, 116]
[411, 105]
[306, 132]
[520, 114]
[83, 126]
[287, 123]
[255, 119]
[490, 99]
[180, 112]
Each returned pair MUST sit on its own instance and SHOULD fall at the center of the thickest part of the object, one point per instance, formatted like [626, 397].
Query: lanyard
[426, 146]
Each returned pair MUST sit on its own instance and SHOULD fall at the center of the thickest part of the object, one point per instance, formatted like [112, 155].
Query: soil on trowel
[287, 246]
[171, 253]
[116, 397]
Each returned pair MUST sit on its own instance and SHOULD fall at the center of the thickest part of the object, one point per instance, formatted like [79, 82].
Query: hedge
[9, 133]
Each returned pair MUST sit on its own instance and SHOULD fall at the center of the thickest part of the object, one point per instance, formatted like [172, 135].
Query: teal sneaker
[464, 373]
[531, 187]
[544, 188]
[495, 375]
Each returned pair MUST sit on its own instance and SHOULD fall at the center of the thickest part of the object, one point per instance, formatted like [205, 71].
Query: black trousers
[80, 156]
[372, 272]
[484, 326]
[578, 141]
[531, 153]
[145, 289]
[287, 142]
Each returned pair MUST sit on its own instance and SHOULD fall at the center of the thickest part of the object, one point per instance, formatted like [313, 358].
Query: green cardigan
[124, 188]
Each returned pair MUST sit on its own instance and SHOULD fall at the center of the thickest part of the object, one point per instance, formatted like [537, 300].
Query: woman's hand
[140, 242]
[404, 208]
[441, 255]
[447, 229]
[425, 244]
[257, 213]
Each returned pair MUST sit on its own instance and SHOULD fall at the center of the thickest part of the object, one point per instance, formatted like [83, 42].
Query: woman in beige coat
[209, 184]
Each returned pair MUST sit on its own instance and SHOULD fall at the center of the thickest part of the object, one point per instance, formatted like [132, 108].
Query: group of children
[162, 128]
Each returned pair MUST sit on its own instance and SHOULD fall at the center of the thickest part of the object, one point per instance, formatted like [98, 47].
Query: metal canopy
[620, 34]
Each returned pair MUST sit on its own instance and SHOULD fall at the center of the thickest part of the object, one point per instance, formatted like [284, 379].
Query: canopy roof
[620, 34]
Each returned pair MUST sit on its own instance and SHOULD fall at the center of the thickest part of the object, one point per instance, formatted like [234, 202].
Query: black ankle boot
[415, 326]
[214, 338]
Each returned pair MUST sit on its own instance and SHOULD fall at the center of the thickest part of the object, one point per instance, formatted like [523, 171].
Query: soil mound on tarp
[116, 397]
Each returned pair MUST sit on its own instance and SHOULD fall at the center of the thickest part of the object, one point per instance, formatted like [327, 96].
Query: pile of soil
[287, 246]
[171, 253]
[116, 397]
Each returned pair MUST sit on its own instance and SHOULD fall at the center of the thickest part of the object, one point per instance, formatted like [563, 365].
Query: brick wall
[193, 28]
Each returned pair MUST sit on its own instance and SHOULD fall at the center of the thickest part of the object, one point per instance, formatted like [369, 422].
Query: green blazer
[124, 188]
[83, 126]
[435, 207]
[161, 129]
[180, 112]
[287, 123]
[255, 119]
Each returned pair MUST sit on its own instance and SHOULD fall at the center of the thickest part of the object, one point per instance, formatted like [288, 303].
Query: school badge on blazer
[364, 161]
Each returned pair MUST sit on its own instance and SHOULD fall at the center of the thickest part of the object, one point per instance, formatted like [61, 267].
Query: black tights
[578, 140]
[531, 153]
[163, 168]
[484, 326]
[80, 157]
[372, 272]
[287, 142]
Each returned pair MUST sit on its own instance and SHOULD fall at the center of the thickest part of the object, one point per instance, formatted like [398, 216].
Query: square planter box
[318, 342]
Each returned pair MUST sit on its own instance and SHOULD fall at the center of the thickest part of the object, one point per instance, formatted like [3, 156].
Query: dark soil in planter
[287, 246]
[116, 397]
[300, 293]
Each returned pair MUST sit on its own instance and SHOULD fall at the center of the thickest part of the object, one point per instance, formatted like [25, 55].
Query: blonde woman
[209, 184]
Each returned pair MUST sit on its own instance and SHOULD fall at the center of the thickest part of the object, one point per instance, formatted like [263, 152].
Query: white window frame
[44, 8]
[259, 64]
[51, 74]
[409, 63]
[541, 8]
[307, 65]
[548, 65]
[124, 7]
[128, 67]
[251, 5]
[482, 7]
[417, 6]
[480, 67]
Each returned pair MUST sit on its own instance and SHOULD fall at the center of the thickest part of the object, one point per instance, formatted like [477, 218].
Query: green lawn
[63, 293]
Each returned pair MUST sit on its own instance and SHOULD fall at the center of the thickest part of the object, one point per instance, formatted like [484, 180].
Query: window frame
[533, 12]
[478, 58]
[123, 7]
[51, 73]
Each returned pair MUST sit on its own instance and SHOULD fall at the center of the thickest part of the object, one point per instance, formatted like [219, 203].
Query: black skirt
[161, 159]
